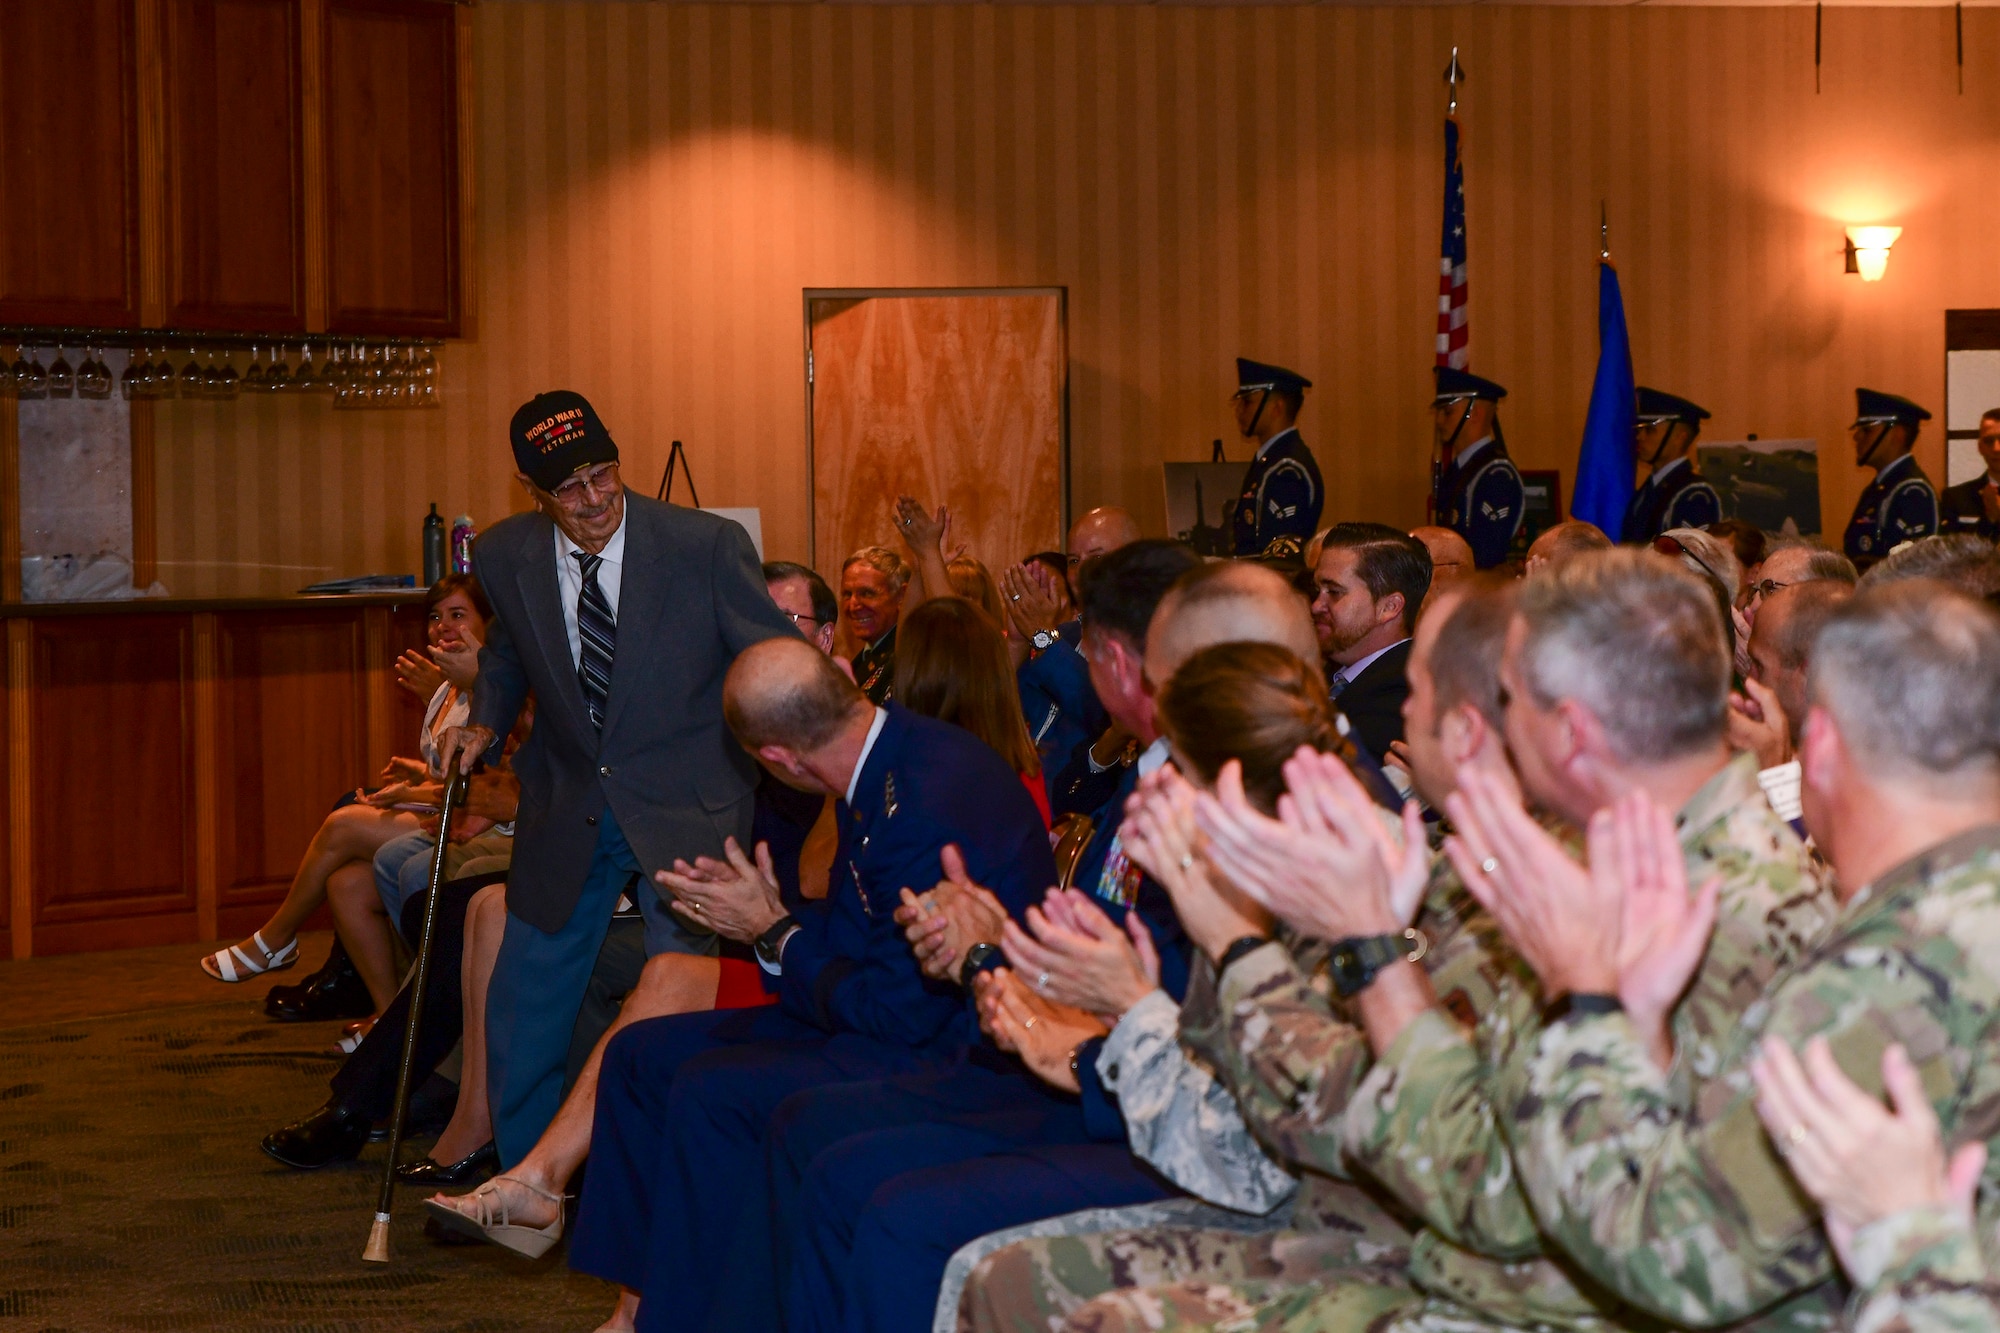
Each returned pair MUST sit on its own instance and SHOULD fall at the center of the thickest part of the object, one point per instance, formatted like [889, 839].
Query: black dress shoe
[335, 991]
[470, 1169]
[329, 1134]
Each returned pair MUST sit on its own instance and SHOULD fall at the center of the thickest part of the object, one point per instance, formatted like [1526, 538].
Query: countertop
[181, 606]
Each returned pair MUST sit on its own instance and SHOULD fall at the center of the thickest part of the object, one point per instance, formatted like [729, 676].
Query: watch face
[1043, 638]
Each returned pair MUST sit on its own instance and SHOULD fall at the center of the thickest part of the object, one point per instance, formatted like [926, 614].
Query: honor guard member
[1477, 493]
[1282, 495]
[1674, 494]
[1899, 505]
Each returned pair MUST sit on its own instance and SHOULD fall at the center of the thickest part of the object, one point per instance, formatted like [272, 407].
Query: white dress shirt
[569, 581]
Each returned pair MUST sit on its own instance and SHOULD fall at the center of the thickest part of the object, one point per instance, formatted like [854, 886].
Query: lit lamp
[1868, 250]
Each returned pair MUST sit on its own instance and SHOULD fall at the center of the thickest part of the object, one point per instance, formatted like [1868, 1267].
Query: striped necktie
[597, 635]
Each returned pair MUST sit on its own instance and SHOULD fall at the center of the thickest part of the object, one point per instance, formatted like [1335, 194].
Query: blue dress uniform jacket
[684, 1101]
[1898, 506]
[1282, 495]
[1480, 497]
[1059, 702]
[1675, 496]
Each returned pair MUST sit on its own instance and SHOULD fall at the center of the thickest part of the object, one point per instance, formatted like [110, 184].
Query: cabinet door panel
[235, 178]
[69, 249]
[392, 167]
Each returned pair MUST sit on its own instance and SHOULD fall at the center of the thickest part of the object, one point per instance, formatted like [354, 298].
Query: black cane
[377, 1251]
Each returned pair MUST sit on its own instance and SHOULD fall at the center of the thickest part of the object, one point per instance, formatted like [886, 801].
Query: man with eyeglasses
[1674, 493]
[621, 615]
[1974, 506]
[1899, 505]
[1282, 495]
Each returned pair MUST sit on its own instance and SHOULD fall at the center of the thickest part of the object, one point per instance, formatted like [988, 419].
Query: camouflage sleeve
[1921, 1272]
[1423, 1125]
[1181, 1119]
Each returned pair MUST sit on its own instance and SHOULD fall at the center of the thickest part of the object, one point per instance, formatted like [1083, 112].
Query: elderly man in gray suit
[621, 615]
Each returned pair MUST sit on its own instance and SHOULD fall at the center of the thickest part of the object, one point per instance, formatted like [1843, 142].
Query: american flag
[1453, 336]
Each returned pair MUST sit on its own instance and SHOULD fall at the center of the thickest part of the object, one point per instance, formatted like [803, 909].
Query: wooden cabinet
[235, 175]
[392, 167]
[69, 248]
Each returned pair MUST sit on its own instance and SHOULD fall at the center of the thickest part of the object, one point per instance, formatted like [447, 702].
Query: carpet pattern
[133, 1195]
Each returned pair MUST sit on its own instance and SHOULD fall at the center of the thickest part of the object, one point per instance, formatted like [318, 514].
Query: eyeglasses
[800, 618]
[1765, 587]
[1672, 546]
[603, 477]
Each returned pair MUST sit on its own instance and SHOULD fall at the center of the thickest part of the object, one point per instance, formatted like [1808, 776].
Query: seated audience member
[1899, 1214]
[1558, 545]
[1293, 1082]
[1791, 561]
[1056, 697]
[1372, 581]
[872, 584]
[1973, 505]
[1968, 563]
[1745, 540]
[1711, 559]
[520, 1209]
[683, 1101]
[349, 838]
[1663, 1188]
[1764, 720]
[1451, 556]
[951, 664]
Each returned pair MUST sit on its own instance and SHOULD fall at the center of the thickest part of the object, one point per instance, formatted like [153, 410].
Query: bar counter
[168, 759]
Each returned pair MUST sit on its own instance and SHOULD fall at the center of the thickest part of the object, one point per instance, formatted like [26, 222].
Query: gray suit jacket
[691, 597]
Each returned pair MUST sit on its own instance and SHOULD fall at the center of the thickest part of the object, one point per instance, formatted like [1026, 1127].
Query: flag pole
[1603, 233]
[1453, 73]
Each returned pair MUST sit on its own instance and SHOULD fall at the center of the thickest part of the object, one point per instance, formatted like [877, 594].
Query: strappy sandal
[232, 964]
[490, 1220]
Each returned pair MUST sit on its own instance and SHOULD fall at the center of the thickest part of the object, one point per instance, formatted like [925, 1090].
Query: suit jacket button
[590, 820]
[604, 772]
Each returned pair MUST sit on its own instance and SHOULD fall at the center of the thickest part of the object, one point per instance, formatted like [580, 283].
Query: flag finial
[1603, 232]
[1454, 74]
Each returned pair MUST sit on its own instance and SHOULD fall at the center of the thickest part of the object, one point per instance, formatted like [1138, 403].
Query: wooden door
[392, 167]
[955, 398]
[235, 169]
[69, 247]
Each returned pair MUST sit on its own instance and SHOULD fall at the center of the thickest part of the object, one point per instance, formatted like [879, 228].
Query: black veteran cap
[1656, 406]
[556, 433]
[1872, 407]
[1453, 384]
[1254, 375]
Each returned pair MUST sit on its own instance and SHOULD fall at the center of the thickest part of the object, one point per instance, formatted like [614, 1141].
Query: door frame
[812, 294]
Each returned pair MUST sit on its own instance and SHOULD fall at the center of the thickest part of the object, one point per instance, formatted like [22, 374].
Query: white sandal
[232, 964]
[492, 1221]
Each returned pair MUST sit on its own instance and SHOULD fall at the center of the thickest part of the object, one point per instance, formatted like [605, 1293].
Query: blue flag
[1604, 462]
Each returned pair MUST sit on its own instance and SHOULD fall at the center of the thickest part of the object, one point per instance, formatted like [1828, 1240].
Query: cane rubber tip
[378, 1241]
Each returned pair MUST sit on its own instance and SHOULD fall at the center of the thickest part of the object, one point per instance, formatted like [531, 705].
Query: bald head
[1105, 528]
[785, 692]
[1564, 542]
[1451, 555]
[1227, 602]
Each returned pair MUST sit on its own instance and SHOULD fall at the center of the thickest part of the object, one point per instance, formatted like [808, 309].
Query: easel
[678, 454]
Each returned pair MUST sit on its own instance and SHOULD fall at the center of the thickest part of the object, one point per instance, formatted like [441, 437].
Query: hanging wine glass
[6, 377]
[30, 380]
[61, 376]
[223, 379]
[93, 377]
[135, 370]
[190, 381]
[277, 376]
[426, 390]
[253, 374]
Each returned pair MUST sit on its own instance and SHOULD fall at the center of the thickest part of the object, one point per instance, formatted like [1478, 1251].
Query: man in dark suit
[683, 1101]
[1476, 489]
[1372, 580]
[1898, 505]
[1974, 506]
[1282, 495]
[621, 615]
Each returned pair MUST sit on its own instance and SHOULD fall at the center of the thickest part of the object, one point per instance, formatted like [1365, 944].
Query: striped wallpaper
[657, 183]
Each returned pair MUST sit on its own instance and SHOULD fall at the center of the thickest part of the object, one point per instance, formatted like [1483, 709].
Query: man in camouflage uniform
[1656, 1178]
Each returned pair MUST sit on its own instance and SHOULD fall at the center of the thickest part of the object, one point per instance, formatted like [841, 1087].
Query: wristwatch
[975, 958]
[771, 941]
[1581, 1004]
[1044, 639]
[1357, 960]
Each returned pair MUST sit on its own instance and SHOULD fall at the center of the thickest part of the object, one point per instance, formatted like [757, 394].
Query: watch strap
[1239, 948]
[1581, 1004]
[1358, 959]
[975, 959]
[766, 945]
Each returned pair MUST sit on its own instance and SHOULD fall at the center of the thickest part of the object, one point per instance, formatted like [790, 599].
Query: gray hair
[882, 560]
[1711, 557]
[1910, 671]
[1638, 641]
[1964, 560]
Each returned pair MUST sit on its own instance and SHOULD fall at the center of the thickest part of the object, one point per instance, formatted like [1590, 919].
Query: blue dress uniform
[1899, 505]
[684, 1100]
[1059, 702]
[1282, 495]
[1674, 495]
[1479, 493]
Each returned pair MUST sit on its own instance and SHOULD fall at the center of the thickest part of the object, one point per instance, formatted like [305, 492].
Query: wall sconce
[1868, 250]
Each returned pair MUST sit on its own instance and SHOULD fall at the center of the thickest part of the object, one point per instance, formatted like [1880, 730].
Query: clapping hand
[1161, 837]
[920, 528]
[1327, 867]
[1043, 1033]
[944, 923]
[1757, 724]
[418, 674]
[1862, 1162]
[735, 898]
[458, 660]
[1078, 957]
[1663, 929]
[1035, 597]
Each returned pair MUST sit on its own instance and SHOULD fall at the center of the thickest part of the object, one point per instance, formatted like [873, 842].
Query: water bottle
[462, 533]
[433, 546]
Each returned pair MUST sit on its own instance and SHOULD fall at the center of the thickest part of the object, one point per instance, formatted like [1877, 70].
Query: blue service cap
[1873, 407]
[1654, 405]
[1254, 375]
[1454, 384]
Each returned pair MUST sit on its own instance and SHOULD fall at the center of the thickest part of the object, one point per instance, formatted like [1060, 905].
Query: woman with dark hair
[952, 664]
[348, 838]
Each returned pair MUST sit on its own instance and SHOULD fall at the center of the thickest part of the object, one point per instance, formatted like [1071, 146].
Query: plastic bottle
[434, 554]
[462, 533]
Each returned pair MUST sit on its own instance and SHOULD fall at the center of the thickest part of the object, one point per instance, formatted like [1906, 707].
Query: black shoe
[329, 1134]
[474, 1167]
[335, 991]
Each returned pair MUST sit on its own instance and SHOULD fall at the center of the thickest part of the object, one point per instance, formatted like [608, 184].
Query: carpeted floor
[133, 1196]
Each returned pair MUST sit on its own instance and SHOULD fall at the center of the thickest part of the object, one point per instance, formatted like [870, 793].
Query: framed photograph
[1541, 504]
[1771, 483]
